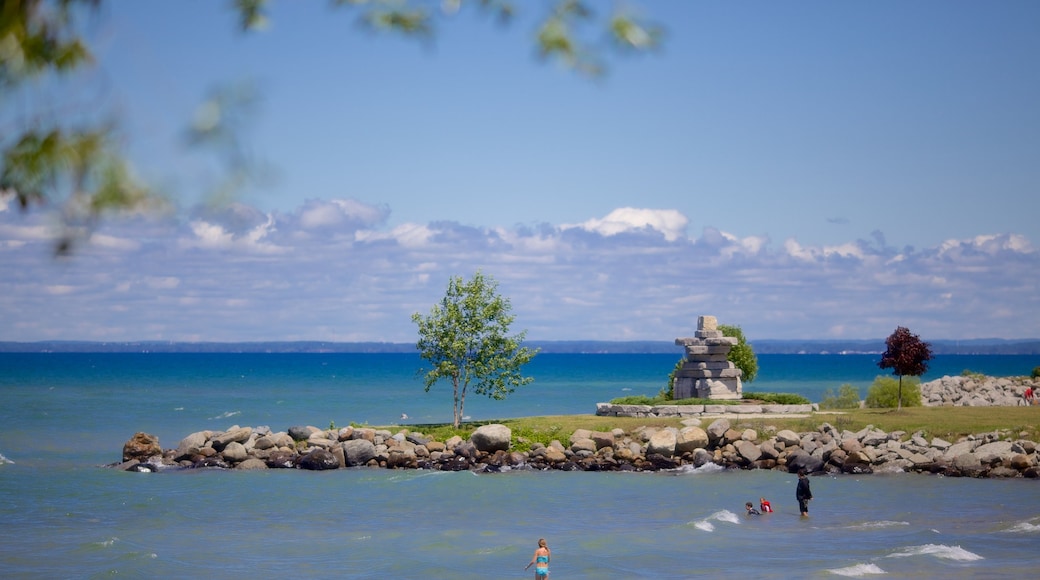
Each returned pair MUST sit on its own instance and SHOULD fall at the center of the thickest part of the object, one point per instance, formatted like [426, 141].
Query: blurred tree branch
[77, 167]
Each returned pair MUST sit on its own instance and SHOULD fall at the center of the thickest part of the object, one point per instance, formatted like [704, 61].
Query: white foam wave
[939, 551]
[858, 570]
[719, 516]
[1019, 528]
[4, 460]
[226, 414]
[877, 525]
[706, 468]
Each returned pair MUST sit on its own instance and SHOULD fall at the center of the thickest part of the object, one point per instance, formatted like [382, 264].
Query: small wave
[858, 570]
[107, 543]
[939, 551]
[877, 525]
[706, 468]
[1019, 528]
[719, 516]
[226, 414]
[178, 408]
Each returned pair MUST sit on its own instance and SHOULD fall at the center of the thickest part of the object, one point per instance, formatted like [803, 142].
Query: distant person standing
[540, 559]
[802, 493]
[1029, 396]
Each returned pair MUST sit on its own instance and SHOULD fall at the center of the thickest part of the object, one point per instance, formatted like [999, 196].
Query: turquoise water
[62, 415]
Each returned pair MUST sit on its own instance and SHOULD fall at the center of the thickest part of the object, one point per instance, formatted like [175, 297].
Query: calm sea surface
[63, 415]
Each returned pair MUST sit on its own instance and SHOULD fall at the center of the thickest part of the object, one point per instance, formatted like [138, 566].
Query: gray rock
[662, 442]
[748, 450]
[251, 463]
[689, 439]
[717, 429]
[190, 445]
[491, 438]
[318, 460]
[234, 452]
[788, 438]
[358, 451]
[583, 445]
[235, 434]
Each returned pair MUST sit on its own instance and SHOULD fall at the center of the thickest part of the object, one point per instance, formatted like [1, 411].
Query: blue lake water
[63, 415]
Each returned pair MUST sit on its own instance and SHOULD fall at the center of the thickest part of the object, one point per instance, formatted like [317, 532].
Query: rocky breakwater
[492, 448]
[976, 391]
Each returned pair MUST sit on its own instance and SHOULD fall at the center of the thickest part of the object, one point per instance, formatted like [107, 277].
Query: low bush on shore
[884, 393]
[770, 398]
[847, 397]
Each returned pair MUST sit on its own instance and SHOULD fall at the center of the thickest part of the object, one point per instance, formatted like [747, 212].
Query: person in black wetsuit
[802, 493]
[751, 511]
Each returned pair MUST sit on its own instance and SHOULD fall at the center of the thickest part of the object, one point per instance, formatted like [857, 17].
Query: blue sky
[804, 170]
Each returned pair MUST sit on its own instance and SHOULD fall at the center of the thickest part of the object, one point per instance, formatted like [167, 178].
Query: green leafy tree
[742, 355]
[887, 392]
[465, 338]
[906, 354]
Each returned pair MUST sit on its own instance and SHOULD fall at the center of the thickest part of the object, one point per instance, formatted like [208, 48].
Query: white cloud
[668, 222]
[332, 271]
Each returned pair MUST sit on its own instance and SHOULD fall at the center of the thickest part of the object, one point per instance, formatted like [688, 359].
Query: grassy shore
[949, 423]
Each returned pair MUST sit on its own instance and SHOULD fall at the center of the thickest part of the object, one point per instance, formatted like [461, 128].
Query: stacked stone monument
[706, 373]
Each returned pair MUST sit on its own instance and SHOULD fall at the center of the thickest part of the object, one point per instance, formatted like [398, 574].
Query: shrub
[884, 393]
[778, 398]
[968, 373]
[635, 400]
[846, 398]
[1036, 372]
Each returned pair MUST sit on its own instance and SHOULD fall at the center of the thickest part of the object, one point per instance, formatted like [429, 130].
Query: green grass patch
[949, 423]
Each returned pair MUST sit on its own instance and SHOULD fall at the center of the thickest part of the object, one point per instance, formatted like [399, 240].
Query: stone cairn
[706, 374]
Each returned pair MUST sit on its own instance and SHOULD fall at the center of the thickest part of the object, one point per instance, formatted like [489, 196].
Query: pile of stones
[489, 449]
[976, 391]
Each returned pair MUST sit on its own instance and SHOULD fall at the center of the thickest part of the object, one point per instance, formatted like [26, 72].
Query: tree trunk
[899, 395]
[456, 410]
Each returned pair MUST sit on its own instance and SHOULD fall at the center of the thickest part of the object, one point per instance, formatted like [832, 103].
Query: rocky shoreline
[488, 449]
[491, 447]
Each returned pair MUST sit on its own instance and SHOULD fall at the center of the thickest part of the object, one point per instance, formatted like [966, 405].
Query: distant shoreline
[993, 346]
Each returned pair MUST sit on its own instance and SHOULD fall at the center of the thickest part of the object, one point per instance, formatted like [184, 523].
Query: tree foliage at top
[742, 355]
[465, 338]
[73, 161]
[906, 354]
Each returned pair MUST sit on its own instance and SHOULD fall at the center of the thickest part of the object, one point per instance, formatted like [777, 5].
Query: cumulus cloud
[334, 270]
[668, 222]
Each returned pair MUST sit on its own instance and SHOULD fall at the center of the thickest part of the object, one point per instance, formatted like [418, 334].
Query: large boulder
[662, 442]
[190, 445]
[318, 460]
[717, 430]
[141, 447]
[690, 439]
[251, 464]
[800, 460]
[788, 438]
[492, 438]
[301, 432]
[281, 459]
[234, 452]
[358, 451]
[748, 450]
[235, 434]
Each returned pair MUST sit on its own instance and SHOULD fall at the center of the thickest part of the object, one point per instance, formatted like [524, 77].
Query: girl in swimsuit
[540, 559]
